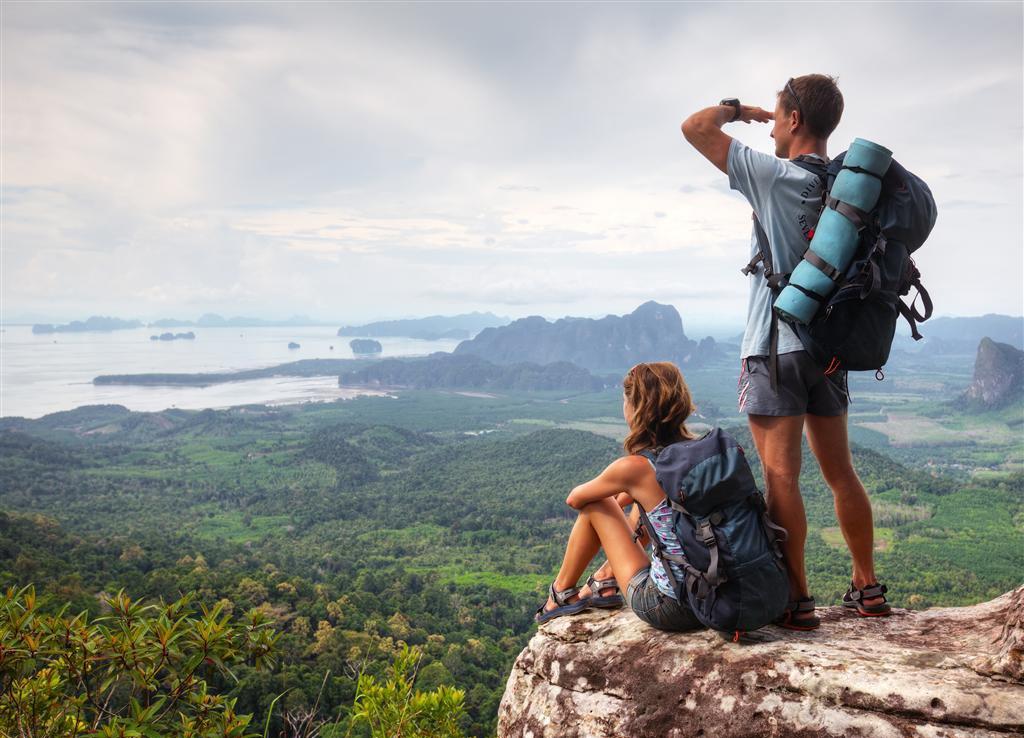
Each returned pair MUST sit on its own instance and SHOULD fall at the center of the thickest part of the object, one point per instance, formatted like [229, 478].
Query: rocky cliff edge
[940, 673]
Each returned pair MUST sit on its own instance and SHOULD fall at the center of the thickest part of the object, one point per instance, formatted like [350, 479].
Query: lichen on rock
[940, 673]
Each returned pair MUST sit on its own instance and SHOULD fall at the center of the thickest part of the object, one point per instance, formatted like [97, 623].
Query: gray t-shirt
[786, 199]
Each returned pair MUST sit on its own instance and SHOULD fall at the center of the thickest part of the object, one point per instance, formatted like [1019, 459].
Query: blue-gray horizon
[367, 162]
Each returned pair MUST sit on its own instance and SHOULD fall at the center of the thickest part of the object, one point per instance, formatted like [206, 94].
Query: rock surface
[940, 673]
[998, 376]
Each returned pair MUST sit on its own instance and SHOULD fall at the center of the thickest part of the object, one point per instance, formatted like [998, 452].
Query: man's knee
[842, 479]
[782, 484]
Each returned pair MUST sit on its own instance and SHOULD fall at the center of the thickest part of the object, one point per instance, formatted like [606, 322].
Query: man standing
[785, 395]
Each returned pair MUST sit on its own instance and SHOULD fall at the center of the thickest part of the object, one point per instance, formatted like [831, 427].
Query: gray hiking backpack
[735, 580]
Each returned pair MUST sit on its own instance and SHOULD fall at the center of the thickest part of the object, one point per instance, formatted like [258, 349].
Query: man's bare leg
[778, 441]
[830, 445]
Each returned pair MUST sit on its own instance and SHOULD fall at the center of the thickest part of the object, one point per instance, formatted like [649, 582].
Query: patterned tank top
[661, 519]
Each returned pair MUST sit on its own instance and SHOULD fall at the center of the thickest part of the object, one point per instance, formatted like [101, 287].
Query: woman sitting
[656, 404]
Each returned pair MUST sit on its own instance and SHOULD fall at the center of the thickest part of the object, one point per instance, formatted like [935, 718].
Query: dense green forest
[433, 520]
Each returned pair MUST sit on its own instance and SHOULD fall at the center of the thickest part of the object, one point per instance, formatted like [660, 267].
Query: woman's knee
[604, 505]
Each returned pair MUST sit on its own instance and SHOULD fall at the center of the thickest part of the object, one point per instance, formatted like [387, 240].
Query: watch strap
[735, 103]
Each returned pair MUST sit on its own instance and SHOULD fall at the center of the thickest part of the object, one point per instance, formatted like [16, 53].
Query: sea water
[46, 373]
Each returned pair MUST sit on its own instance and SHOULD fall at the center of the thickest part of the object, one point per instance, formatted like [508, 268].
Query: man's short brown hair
[817, 99]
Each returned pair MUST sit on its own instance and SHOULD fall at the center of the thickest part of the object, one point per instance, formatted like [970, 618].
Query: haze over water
[41, 374]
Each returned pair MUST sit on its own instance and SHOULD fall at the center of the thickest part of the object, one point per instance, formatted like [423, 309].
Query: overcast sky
[353, 162]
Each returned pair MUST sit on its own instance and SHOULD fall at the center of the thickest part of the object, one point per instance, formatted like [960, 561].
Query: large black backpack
[735, 580]
[855, 326]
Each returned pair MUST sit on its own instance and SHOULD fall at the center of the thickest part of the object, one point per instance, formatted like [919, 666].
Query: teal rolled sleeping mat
[836, 237]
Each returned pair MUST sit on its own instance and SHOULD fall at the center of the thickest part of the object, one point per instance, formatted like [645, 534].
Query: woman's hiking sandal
[563, 606]
[854, 599]
[796, 615]
[608, 601]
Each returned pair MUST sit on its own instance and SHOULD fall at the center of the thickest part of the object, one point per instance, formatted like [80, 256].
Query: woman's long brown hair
[661, 404]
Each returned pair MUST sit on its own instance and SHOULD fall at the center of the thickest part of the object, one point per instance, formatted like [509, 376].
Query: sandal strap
[868, 592]
[804, 604]
[560, 596]
[596, 585]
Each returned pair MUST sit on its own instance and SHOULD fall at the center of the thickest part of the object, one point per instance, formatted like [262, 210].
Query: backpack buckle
[707, 536]
[751, 267]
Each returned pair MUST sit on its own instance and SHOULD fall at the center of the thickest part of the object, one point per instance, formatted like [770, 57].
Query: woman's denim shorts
[656, 608]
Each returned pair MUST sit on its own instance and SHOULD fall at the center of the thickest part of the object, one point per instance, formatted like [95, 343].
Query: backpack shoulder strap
[651, 454]
[764, 258]
[814, 165]
[811, 164]
[776, 282]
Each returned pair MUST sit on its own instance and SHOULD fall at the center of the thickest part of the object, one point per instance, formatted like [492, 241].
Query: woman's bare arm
[631, 475]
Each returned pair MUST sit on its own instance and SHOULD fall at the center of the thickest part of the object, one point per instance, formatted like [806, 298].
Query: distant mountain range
[431, 328]
[961, 335]
[209, 320]
[998, 377]
[95, 323]
[212, 320]
[652, 332]
[442, 370]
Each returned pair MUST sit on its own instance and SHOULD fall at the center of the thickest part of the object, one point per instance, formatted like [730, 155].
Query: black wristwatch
[735, 102]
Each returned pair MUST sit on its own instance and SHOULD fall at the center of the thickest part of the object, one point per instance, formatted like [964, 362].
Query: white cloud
[358, 160]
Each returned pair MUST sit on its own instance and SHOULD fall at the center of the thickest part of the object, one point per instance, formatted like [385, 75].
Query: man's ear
[794, 121]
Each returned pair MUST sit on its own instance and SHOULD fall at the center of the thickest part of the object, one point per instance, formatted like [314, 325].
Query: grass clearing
[833, 537]
[609, 430]
[233, 527]
[515, 583]
[905, 429]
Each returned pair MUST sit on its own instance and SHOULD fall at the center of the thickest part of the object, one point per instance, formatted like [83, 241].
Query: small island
[293, 345]
[189, 336]
[364, 346]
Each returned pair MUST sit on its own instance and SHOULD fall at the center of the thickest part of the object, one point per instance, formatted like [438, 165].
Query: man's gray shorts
[803, 387]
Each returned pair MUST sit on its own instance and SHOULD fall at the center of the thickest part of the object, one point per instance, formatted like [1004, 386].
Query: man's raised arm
[703, 130]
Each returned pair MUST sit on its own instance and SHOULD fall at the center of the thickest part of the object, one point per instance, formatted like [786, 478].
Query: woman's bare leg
[605, 570]
[600, 524]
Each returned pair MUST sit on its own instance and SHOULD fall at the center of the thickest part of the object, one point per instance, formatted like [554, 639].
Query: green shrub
[393, 709]
[140, 671]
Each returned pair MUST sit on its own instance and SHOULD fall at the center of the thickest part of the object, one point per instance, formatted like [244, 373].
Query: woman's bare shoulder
[633, 467]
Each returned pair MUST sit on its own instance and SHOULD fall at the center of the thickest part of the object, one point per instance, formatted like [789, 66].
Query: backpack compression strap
[910, 311]
[775, 533]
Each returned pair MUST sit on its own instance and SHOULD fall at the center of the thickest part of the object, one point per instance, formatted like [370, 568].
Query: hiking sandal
[854, 599]
[607, 601]
[793, 607]
[563, 606]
